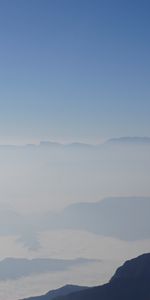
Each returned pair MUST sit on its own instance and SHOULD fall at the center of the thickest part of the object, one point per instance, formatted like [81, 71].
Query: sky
[74, 70]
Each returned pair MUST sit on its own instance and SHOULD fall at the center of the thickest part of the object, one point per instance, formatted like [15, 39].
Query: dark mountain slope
[130, 282]
[137, 268]
[119, 290]
[63, 291]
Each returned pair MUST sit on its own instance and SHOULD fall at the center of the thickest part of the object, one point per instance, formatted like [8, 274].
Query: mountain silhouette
[63, 291]
[15, 268]
[130, 282]
[137, 268]
[116, 217]
[129, 140]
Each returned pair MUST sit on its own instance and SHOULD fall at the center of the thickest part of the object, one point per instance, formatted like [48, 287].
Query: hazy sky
[74, 70]
[71, 70]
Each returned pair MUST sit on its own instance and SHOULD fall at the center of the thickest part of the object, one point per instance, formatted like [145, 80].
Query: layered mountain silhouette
[130, 282]
[52, 144]
[15, 268]
[120, 140]
[63, 291]
[126, 218]
[129, 140]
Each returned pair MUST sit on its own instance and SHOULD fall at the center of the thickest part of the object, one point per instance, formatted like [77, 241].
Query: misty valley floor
[67, 244]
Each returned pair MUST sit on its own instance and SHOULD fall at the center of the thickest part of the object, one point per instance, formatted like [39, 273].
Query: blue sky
[74, 70]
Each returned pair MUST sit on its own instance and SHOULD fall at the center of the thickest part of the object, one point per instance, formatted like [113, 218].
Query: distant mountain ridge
[116, 217]
[130, 282]
[24, 267]
[63, 291]
[125, 140]
[129, 140]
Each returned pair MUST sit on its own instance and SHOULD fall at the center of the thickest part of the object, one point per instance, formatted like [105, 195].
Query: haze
[74, 141]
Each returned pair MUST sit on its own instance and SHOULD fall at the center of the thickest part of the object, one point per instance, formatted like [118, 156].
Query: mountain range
[63, 291]
[137, 140]
[130, 282]
[116, 217]
[24, 267]
[130, 140]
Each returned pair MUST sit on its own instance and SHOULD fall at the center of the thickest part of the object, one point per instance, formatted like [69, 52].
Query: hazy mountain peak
[50, 144]
[129, 140]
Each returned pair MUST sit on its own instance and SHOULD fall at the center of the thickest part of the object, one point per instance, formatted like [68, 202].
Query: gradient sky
[74, 70]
